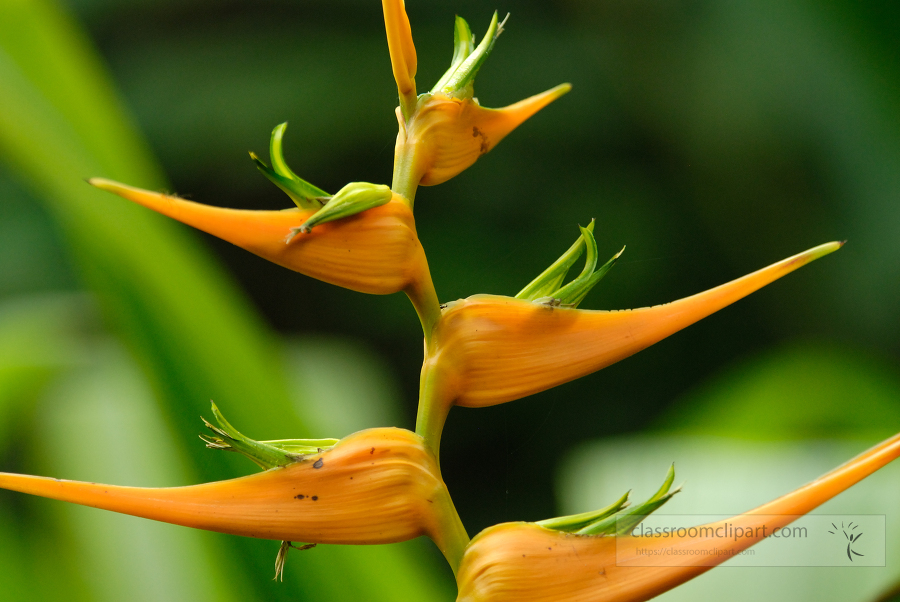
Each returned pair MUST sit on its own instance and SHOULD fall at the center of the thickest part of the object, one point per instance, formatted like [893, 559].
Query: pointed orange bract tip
[490, 349]
[376, 251]
[523, 562]
[376, 486]
[449, 134]
[400, 45]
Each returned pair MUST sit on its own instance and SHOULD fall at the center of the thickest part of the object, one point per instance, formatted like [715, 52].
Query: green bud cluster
[548, 288]
[304, 194]
[459, 80]
[611, 520]
[265, 454]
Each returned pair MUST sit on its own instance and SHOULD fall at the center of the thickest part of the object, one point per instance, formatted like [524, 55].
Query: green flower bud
[458, 81]
[265, 454]
[547, 288]
[611, 520]
[304, 194]
[353, 198]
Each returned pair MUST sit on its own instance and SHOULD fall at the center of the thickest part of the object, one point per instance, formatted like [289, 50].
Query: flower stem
[405, 181]
[425, 300]
[407, 169]
[408, 102]
[434, 405]
[451, 537]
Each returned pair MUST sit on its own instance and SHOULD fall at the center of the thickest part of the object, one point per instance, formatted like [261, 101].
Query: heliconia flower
[373, 487]
[489, 349]
[374, 251]
[445, 130]
[524, 562]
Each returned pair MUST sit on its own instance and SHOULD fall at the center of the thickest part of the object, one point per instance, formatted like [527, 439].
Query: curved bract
[376, 251]
[449, 134]
[376, 486]
[489, 349]
[523, 562]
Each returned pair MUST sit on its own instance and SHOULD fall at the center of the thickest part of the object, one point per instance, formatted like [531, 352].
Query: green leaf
[193, 333]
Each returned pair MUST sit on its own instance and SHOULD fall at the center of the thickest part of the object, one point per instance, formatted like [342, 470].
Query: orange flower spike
[376, 251]
[489, 349]
[373, 487]
[523, 562]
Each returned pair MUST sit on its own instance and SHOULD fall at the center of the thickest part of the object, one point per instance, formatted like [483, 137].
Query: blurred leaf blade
[191, 331]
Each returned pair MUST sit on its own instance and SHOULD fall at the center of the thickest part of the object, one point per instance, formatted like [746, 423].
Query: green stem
[434, 406]
[407, 171]
[452, 538]
[408, 102]
[425, 301]
[406, 178]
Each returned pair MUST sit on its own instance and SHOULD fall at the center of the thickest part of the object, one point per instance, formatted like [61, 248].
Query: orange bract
[489, 349]
[523, 562]
[449, 134]
[376, 486]
[400, 45]
[376, 251]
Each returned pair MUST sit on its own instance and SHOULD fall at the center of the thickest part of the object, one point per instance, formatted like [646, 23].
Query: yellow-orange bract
[523, 562]
[376, 486]
[400, 45]
[489, 349]
[376, 251]
[449, 134]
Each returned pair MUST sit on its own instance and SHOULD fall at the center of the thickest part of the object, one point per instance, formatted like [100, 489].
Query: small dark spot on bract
[551, 549]
[523, 555]
[315, 498]
[475, 131]
[373, 451]
[300, 496]
[319, 463]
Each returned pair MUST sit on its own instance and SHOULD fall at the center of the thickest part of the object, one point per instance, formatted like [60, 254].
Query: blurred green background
[710, 138]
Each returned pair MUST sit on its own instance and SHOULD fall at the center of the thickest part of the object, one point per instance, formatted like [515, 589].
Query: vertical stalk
[425, 300]
[451, 537]
[407, 170]
[408, 101]
[435, 399]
